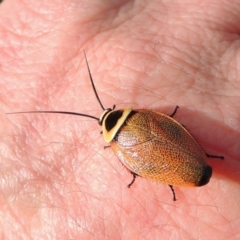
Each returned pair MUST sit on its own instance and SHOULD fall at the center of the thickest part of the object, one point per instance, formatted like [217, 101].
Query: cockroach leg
[133, 180]
[213, 156]
[173, 192]
[106, 147]
[174, 112]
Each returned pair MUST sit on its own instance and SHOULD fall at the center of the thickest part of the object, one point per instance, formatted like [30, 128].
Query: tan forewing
[155, 146]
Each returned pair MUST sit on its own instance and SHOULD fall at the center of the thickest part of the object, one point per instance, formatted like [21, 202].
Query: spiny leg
[174, 112]
[173, 192]
[213, 156]
[104, 147]
[133, 180]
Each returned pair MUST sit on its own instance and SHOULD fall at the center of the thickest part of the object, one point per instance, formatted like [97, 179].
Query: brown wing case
[155, 146]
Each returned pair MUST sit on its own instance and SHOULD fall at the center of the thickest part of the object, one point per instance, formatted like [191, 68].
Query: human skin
[56, 179]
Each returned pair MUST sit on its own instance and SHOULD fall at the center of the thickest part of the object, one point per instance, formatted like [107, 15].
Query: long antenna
[61, 112]
[93, 86]
[73, 113]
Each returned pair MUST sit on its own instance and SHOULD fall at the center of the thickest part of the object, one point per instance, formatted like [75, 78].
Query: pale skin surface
[57, 182]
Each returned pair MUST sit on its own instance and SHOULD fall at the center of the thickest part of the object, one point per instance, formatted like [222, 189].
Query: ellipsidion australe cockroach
[151, 144]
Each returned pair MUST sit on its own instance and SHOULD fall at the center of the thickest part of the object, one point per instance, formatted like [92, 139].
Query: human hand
[57, 181]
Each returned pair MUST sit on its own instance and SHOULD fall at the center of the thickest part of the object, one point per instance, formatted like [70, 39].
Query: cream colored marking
[109, 135]
[104, 112]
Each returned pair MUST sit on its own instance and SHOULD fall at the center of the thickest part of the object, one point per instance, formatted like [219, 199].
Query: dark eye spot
[112, 119]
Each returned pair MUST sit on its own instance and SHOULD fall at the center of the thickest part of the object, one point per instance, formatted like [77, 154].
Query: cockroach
[151, 144]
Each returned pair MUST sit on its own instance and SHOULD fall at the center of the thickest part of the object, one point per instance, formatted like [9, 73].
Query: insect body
[151, 145]
[155, 146]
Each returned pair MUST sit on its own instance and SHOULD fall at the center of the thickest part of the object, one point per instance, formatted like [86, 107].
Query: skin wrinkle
[191, 75]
